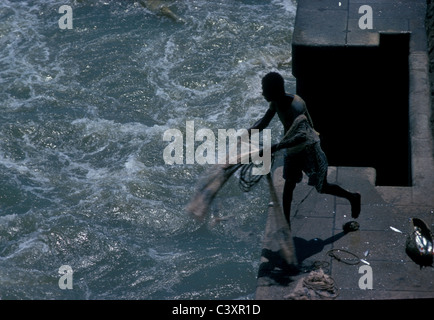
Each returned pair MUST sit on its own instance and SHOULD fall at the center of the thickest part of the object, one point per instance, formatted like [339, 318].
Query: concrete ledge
[420, 129]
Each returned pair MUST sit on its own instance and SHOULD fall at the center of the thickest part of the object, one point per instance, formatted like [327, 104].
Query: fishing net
[316, 286]
[299, 136]
[247, 180]
[277, 234]
[278, 237]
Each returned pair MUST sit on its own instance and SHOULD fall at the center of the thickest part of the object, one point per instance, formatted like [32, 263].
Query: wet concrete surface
[317, 227]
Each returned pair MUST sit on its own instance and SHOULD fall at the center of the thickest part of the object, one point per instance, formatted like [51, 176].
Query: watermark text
[233, 146]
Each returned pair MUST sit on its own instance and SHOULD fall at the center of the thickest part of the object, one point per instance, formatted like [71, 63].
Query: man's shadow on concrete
[277, 270]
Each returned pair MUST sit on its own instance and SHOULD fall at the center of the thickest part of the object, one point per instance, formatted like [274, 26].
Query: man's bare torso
[288, 109]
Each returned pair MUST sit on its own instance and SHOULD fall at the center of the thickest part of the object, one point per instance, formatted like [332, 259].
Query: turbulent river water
[82, 117]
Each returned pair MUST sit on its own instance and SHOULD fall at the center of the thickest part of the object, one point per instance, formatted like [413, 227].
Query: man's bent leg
[288, 190]
[353, 198]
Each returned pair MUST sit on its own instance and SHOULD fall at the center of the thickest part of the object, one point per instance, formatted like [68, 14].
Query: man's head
[273, 86]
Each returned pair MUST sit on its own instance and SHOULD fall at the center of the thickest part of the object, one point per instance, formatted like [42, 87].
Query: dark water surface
[82, 116]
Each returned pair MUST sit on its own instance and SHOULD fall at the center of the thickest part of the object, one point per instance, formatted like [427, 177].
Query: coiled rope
[351, 261]
[247, 179]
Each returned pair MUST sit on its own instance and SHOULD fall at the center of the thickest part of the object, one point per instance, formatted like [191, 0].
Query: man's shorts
[312, 161]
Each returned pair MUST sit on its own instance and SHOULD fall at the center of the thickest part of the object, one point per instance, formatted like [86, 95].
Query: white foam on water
[83, 116]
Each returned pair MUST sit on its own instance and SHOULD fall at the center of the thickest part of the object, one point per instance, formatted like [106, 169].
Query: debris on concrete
[419, 243]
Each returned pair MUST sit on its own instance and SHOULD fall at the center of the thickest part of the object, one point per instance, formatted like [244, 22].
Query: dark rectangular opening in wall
[358, 98]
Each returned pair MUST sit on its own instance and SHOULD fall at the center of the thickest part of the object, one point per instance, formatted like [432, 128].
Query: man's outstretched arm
[262, 123]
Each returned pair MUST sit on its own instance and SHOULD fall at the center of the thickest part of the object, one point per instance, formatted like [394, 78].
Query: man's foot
[355, 201]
